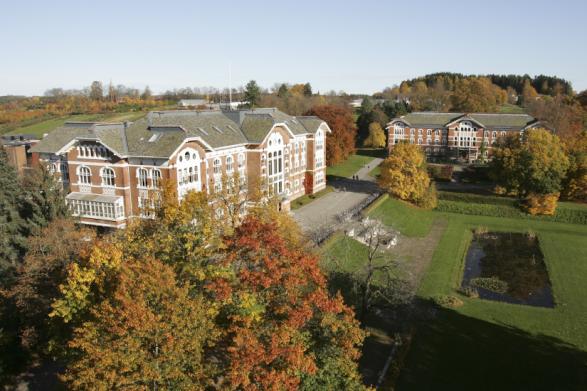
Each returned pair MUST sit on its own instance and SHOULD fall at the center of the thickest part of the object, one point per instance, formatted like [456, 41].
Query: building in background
[457, 135]
[109, 169]
[17, 149]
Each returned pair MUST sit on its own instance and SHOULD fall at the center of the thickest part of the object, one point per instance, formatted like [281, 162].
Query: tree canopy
[341, 142]
[404, 175]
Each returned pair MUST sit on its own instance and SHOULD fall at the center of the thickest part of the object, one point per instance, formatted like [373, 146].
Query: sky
[359, 46]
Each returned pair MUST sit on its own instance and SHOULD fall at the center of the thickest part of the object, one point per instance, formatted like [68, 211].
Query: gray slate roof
[216, 128]
[490, 120]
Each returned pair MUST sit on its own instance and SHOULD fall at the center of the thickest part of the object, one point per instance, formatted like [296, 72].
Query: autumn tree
[404, 175]
[252, 93]
[529, 93]
[43, 270]
[150, 333]
[96, 91]
[340, 144]
[574, 186]
[283, 329]
[376, 138]
[147, 94]
[164, 305]
[477, 94]
[533, 167]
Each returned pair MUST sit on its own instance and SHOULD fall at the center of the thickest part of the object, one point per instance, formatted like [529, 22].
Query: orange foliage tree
[283, 329]
[341, 142]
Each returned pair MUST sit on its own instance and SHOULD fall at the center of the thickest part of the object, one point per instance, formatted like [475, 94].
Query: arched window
[217, 168]
[143, 177]
[108, 177]
[241, 160]
[85, 175]
[229, 166]
[156, 178]
[64, 169]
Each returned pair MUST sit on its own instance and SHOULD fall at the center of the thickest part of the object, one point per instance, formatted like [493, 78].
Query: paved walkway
[320, 214]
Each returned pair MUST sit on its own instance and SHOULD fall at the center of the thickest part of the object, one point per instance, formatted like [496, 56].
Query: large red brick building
[456, 135]
[109, 169]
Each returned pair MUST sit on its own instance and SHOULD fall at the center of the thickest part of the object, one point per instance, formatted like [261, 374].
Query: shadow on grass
[457, 352]
[381, 325]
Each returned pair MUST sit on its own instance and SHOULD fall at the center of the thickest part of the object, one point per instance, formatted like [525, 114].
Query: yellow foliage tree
[404, 175]
[376, 137]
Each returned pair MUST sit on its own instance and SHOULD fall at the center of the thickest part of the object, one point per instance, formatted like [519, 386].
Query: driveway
[320, 214]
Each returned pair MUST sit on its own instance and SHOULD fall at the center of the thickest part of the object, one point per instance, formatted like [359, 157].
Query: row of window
[93, 152]
[108, 176]
[96, 209]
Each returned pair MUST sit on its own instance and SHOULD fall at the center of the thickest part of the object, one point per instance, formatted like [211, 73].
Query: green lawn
[306, 199]
[486, 345]
[355, 162]
[342, 256]
[349, 167]
[46, 126]
[509, 108]
[408, 219]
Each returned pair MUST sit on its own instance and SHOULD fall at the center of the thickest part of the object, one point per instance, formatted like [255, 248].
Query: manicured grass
[375, 172]
[47, 126]
[306, 199]
[486, 345]
[508, 108]
[342, 254]
[407, 219]
[349, 167]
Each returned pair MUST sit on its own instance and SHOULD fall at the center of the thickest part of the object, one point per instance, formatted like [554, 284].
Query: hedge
[477, 199]
[574, 214]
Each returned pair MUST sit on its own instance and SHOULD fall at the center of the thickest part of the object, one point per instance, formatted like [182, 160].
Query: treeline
[545, 85]
[90, 100]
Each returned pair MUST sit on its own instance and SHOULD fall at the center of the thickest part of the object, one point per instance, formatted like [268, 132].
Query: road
[321, 213]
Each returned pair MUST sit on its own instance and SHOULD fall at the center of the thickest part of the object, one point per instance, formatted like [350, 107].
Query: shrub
[441, 173]
[476, 198]
[493, 284]
[429, 199]
[448, 301]
[481, 230]
[476, 205]
[541, 204]
[469, 291]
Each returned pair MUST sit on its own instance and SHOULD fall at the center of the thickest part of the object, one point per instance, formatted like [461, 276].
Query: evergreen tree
[42, 200]
[307, 89]
[252, 93]
[283, 91]
[12, 227]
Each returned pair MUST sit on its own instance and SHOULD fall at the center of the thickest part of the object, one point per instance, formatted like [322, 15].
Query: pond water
[511, 265]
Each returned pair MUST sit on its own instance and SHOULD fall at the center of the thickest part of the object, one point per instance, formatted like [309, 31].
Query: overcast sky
[356, 46]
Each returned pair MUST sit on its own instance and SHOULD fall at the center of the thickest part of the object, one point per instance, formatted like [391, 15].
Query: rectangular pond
[507, 267]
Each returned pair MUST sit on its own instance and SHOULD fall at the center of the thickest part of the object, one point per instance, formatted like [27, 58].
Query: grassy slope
[508, 108]
[40, 128]
[407, 219]
[491, 345]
